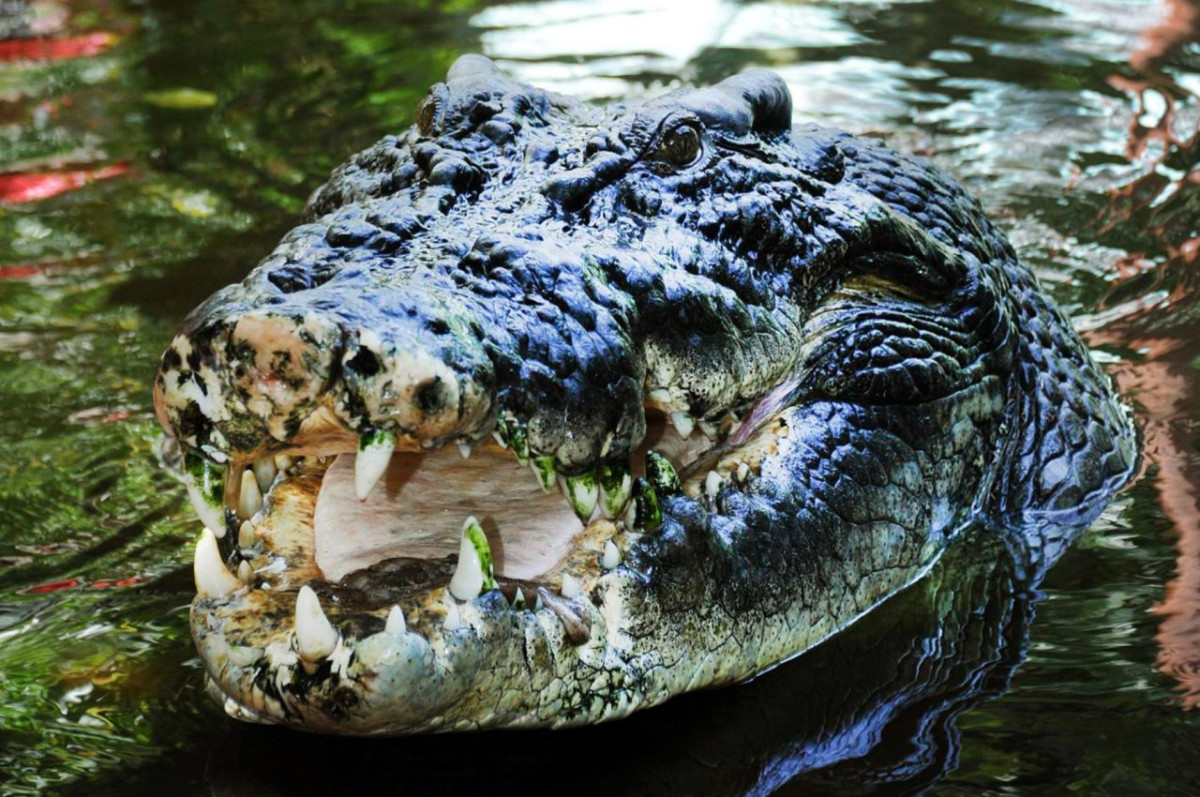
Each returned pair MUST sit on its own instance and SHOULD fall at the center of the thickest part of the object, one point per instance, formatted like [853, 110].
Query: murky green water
[151, 152]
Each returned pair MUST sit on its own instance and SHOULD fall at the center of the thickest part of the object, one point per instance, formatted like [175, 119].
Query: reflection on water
[151, 152]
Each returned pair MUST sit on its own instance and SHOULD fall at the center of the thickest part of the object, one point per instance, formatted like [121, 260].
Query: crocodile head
[549, 412]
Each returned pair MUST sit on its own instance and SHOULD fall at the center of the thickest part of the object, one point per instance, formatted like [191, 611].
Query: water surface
[151, 152]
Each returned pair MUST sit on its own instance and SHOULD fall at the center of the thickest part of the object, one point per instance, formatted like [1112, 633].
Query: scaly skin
[878, 370]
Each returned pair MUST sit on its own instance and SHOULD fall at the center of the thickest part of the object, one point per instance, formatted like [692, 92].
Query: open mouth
[324, 558]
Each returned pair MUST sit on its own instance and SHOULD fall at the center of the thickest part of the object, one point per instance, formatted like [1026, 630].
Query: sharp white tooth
[395, 622]
[606, 446]
[206, 490]
[473, 575]
[659, 395]
[570, 586]
[315, 635]
[518, 601]
[612, 556]
[683, 423]
[464, 448]
[711, 430]
[453, 619]
[645, 512]
[245, 572]
[518, 441]
[582, 492]
[282, 462]
[712, 484]
[545, 471]
[743, 472]
[374, 453]
[246, 536]
[616, 485]
[630, 516]
[661, 474]
[264, 473]
[213, 579]
[250, 499]
[538, 604]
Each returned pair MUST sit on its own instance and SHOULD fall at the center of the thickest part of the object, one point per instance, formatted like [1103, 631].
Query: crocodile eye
[680, 146]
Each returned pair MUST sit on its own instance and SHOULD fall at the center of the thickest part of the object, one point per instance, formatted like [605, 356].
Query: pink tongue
[417, 509]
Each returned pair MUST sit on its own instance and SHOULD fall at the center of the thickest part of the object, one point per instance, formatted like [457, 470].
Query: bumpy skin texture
[519, 255]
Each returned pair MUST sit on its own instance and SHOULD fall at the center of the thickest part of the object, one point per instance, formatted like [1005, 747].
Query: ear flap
[756, 101]
[767, 96]
[472, 67]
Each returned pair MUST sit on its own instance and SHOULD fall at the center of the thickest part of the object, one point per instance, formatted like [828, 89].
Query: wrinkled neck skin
[854, 363]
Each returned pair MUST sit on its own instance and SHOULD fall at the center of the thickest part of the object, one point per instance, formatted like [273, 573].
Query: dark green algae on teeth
[874, 367]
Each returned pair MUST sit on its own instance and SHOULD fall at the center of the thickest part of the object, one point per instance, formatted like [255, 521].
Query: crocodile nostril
[430, 396]
[363, 362]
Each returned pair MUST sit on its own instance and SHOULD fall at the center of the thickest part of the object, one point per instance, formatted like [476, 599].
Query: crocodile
[549, 412]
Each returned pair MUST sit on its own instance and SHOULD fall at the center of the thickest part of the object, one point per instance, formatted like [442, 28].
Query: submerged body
[772, 372]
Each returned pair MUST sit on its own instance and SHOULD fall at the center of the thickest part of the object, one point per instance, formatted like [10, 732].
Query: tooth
[544, 469]
[711, 429]
[464, 448]
[264, 473]
[581, 492]
[615, 484]
[612, 556]
[661, 475]
[453, 619]
[510, 433]
[245, 572]
[395, 624]
[250, 500]
[659, 395]
[712, 484]
[282, 462]
[246, 536]
[539, 604]
[374, 453]
[743, 472]
[315, 635]
[518, 441]
[644, 510]
[518, 601]
[213, 579]
[474, 575]
[206, 489]
[683, 423]
[570, 586]
[576, 622]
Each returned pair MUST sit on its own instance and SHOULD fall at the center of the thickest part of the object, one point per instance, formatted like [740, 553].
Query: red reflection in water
[16, 188]
[53, 586]
[56, 49]
[1166, 333]
[1179, 27]
[73, 583]
[21, 271]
